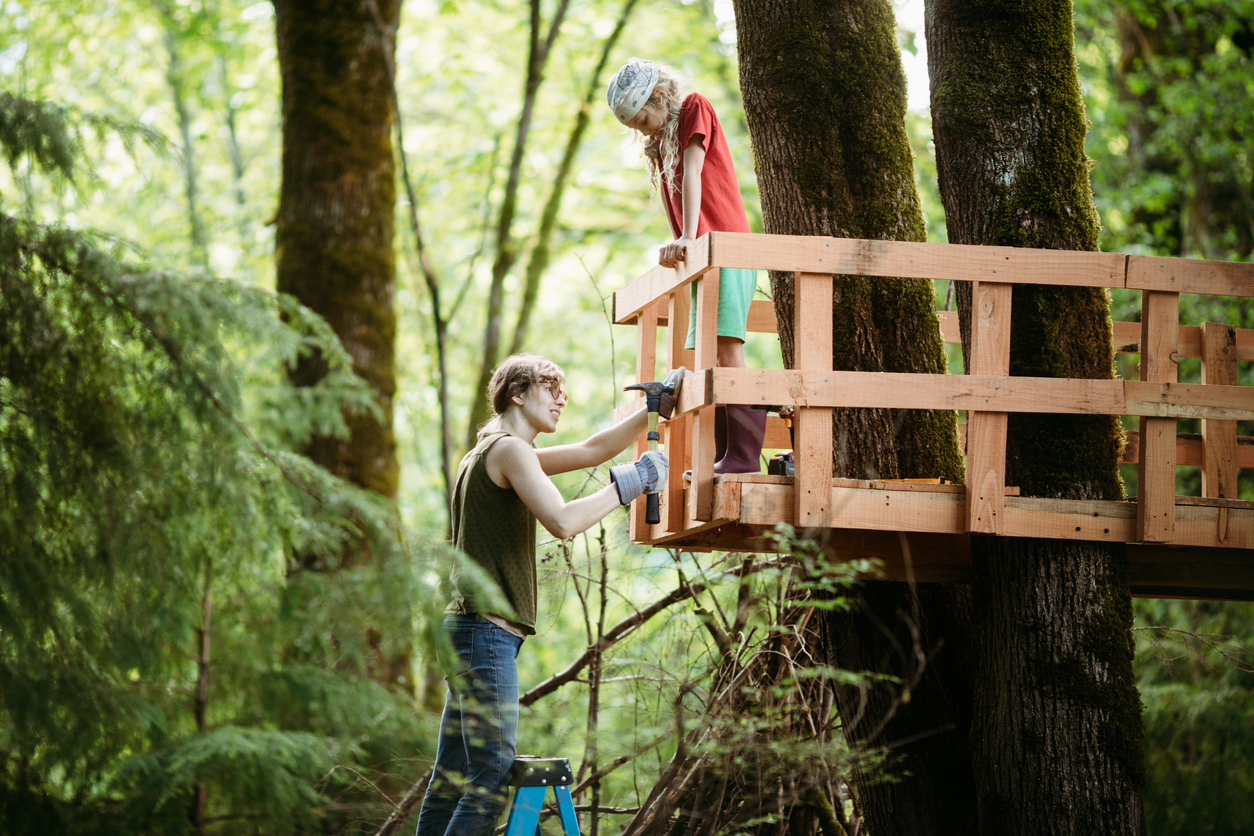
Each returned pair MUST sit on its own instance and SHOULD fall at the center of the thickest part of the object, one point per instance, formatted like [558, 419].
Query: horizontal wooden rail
[957, 262]
[1127, 337]
[888, 390]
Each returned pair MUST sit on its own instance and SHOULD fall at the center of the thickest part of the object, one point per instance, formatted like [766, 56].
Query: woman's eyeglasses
[556, 390]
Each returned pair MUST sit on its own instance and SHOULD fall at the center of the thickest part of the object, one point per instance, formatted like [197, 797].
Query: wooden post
[678, 448]
[646, 370]
[1156, 470]
[812, 452]
[701, 494]
[1219, 438]
[986, 431]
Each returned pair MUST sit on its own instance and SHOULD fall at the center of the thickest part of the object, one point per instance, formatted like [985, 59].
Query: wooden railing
[813, 500]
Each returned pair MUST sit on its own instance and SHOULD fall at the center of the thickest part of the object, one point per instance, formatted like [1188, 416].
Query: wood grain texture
[1156, 469]
[1190, 275]
[812, 455]
[1219, 437]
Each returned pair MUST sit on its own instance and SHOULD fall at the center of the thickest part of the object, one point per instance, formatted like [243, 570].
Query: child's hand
[675, 252]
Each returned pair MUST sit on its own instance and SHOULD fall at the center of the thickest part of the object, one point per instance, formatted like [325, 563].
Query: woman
[502, 489]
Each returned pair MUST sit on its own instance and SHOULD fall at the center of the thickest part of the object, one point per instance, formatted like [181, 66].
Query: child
[502, 489]
[687, 153]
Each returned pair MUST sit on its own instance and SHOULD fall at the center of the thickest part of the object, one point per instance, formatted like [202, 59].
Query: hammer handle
[652, 515]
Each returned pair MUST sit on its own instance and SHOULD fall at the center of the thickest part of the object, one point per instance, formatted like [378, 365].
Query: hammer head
[652, 389]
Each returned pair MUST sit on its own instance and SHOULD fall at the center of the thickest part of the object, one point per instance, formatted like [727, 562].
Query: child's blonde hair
[512, 378]
[668, 96]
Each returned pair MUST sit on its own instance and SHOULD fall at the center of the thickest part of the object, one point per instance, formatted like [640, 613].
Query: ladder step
[533, 776]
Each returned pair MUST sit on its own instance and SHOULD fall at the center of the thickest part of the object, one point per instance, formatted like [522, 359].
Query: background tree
[1056, 736]
[840, 98]
[333, 242]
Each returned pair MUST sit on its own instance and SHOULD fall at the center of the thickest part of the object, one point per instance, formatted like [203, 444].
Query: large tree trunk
[824, 97]
[1056, 740]
[334, 228]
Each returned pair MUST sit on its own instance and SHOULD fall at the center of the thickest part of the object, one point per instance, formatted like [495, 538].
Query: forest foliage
[168, 665]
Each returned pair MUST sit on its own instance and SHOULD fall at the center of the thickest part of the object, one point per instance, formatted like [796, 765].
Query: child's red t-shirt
[722, 210]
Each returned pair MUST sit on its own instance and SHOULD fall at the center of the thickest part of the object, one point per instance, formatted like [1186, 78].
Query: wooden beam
[812, 350]
[894, 390]
[659, 281]
[852, 256]
[646, 370]
[679, 441]
[1128, 340]
[1156, 470]
[761, 318]
[701, 494]
[986, 431]
[1189, 450]
[1219, 438]
[1190, 275]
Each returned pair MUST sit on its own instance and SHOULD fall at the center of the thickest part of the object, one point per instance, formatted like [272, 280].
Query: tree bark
[824, 96]
[1056, 739]
[334, 226]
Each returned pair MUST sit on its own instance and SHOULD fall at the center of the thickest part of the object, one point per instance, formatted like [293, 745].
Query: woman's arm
[596, 449]
[512, 463]
[690, 192]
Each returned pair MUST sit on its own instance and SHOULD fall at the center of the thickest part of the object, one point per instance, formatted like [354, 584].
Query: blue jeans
[478, 732]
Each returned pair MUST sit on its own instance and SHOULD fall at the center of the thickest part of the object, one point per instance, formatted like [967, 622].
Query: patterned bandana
[630, 88]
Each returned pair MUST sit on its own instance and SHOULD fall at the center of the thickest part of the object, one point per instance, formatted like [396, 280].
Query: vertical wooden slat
[986, 431]
[812, 453]
[701, 495]
[1219, 438]
[646, 370]
[678, 443]
[1156, 470]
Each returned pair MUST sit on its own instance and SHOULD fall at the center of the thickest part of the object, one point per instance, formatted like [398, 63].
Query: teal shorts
[735, 292]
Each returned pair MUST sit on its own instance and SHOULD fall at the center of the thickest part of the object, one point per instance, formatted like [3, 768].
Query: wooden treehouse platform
[1179, 546]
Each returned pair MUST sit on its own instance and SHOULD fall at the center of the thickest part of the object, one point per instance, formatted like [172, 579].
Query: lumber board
[1188, 400]
[1190, 275]
[658, 281]
[679, 450]
[1156, 467]
[812, 350]
[961, 262]
[761, 317]
[1219, 438]
[1189, 449]
[700, 505]
[986, 431]
[1127, 337]
[894, 390]
[646, 370]
[1097, 520]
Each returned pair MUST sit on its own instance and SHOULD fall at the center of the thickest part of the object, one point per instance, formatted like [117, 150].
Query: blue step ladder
[532, 777]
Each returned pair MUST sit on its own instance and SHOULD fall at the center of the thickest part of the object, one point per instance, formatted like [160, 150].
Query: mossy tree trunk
[824, 96]
[1056, 739]
[334, 227]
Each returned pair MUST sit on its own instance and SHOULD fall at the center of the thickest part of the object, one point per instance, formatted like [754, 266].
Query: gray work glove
[647, 474]
[666, 404]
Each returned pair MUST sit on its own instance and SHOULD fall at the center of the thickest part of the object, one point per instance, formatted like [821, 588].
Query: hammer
[653, 398]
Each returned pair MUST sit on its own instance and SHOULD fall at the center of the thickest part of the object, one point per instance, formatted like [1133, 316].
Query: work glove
[647, 474]
[666, 404]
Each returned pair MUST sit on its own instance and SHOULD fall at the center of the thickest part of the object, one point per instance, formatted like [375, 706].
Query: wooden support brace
[1219, 438]
[701, 494]
[1156, 470]
[812, 453]
[986, 431]
[646, 370]
[678, 448]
